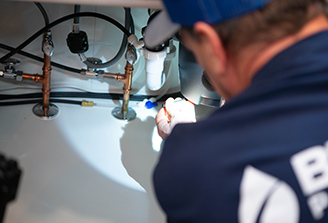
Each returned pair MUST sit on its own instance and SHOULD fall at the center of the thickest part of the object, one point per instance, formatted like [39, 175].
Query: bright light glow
[156, 140]
[101, 149]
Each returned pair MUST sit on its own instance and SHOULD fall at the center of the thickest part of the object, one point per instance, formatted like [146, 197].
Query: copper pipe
[46, 83]
[127, 88]
[45, 80]
[117, 77]
[127, 81]
[33, 77]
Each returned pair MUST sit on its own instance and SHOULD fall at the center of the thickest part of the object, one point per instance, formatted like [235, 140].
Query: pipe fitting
[133, 39]
[86, 103]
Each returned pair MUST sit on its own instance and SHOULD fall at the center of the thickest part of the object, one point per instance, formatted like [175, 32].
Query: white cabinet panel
[126, 3]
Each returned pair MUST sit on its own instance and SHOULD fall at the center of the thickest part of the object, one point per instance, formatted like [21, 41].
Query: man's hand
[175, 111]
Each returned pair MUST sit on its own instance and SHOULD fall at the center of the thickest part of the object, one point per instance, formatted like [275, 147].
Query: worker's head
[229, 26]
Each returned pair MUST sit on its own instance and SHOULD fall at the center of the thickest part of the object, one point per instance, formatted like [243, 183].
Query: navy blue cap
[179, 13]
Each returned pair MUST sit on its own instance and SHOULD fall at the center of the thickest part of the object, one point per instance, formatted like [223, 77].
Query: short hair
[278, 19]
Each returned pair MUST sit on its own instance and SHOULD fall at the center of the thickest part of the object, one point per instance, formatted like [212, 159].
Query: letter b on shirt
[311, 169]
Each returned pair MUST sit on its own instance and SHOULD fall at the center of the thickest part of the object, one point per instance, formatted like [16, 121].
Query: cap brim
[160, 29]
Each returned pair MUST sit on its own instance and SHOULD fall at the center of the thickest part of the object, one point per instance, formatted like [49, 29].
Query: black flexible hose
[43, 12]
[55, 100]
[58, 21]
[77, 9]
[12, 103]
[132, 24]
[129, 19]
[40, 59]
[111, 96]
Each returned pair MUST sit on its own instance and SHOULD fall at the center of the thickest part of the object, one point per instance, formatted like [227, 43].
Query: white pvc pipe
[154, 69]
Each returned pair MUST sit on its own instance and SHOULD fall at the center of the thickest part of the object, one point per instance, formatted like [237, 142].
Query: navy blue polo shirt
[262, 157]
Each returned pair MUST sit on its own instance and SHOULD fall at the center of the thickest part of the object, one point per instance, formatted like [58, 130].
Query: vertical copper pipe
[127, 89]
[46, 83]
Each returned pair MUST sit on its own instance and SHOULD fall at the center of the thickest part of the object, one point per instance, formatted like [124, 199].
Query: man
[263, 156]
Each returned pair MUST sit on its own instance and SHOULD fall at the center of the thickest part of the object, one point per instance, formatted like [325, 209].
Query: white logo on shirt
[266, 199]
[311, 169]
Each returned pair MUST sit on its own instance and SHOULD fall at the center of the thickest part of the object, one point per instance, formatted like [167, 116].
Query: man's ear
[212, 41]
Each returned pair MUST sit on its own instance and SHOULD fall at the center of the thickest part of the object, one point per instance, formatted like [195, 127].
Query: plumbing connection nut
[131, 55]
[19, 76]
[47, 44]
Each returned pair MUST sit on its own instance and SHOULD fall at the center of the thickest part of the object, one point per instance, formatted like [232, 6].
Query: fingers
[163, 126]
[161, 116]
[176, 111]
[173, 106]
